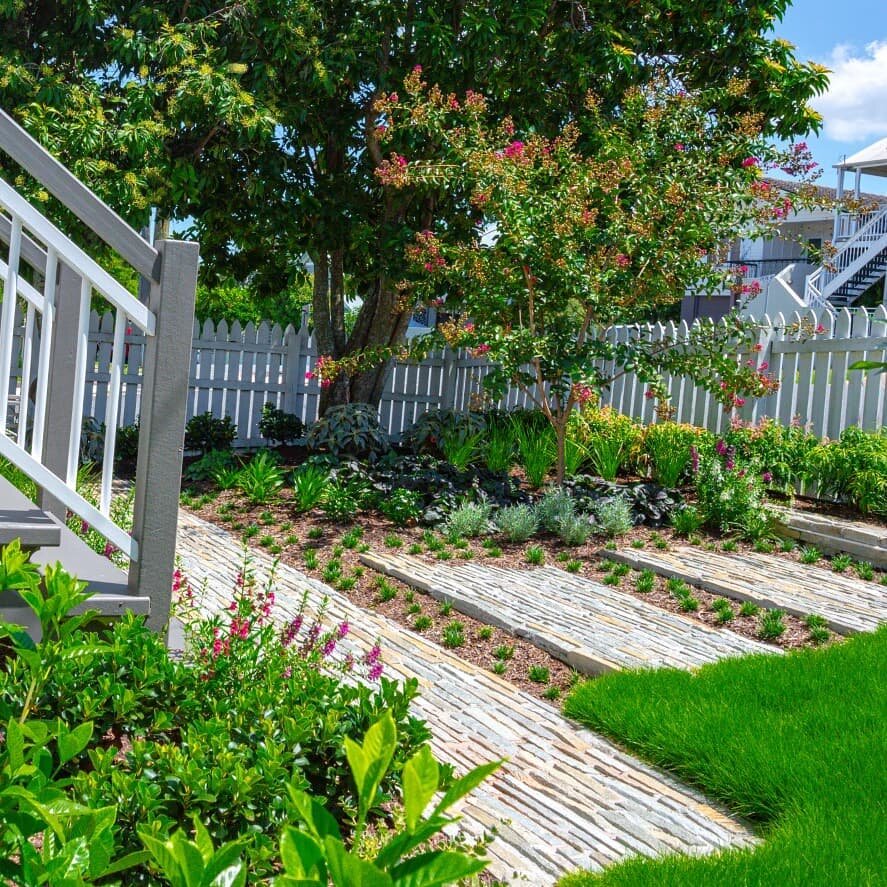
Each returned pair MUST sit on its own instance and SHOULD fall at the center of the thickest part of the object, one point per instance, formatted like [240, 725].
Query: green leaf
[70, 744]
[436, 868]
[202, 839]
[164, 857]
[467, 783]
[421, 776]
[233, 876]
[319, 820]
[126, 862]
[301, 854]
[357, 761]
[347, 870]
[15, 745]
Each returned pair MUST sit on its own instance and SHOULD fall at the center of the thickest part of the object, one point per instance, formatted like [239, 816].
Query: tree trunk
[381, 322]
[560, 434]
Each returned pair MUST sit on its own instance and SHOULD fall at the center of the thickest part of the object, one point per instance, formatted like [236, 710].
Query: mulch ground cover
[310, 541]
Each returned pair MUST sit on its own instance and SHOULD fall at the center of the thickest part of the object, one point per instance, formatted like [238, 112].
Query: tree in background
[256, 122]
[611, 219]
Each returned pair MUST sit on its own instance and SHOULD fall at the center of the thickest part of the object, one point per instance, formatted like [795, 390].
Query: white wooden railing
[863, 237]
[25, 221]
[50, 282]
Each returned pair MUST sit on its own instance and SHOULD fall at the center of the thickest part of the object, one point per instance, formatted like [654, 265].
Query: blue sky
[850, 38]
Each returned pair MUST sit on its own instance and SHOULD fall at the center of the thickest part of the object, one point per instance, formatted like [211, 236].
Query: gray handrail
[39, 163]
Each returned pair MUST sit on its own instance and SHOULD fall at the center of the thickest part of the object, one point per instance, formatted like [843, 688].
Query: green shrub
[555, 506]
[667, 446]
[730, 494]
[126, 444]
[614, 516]
[310, 484]
[343, 500]
[205, 433]
[248, 709]
[574, 530]
[402, 506]
[781, 453]
[261, 478]
[351, 429]
[687, 520]
[609, 438]
[470, 519]
[853, 469]
[501, 447]
[428, 433]
[279, 427]
[537, 451]
[516, 523]
[461, 449]
[209, 465]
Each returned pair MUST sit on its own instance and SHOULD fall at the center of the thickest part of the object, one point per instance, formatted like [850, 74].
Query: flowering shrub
[607, 222]
[780, 452]
[219, 733]
[730, 493]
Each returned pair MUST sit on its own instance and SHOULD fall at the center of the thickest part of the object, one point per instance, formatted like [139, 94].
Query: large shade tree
[255, 121]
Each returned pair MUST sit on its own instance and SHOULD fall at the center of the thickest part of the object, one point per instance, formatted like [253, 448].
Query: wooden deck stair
[51, 542]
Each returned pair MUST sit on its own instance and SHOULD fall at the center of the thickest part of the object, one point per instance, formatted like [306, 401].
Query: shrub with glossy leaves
[351, 429]
[204, 432]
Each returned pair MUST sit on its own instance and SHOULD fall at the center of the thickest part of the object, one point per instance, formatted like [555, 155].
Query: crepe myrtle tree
[609, 221]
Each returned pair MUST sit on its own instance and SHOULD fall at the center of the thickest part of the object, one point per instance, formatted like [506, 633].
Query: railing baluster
[112, 410]
[7, 318]
[46, 327]
[82, 352]
[25, 395]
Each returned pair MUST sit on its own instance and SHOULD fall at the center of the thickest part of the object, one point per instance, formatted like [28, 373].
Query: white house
[784, 267]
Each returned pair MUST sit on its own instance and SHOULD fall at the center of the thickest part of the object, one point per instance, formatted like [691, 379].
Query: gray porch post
[61, 395]
[162, 427]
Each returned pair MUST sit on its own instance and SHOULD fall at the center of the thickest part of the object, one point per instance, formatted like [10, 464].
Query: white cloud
[855, 106]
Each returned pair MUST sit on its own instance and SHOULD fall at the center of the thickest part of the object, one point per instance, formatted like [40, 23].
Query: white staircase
[860, 261]
[47, 284]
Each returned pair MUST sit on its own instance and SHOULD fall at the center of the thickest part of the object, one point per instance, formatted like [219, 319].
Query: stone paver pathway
[590, 626]
[849, 604]
[833, 535]
[569, 798]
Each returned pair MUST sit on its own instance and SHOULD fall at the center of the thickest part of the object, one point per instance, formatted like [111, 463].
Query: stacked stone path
[565, 799]
[590, 626]
[864, 540]
[848, 604]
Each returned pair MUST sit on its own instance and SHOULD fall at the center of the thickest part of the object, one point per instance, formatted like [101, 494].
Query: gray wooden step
[21, 519]
[54, 543]
[849, 605]
[590, 626]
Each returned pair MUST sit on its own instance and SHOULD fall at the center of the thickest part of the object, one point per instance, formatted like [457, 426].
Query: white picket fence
[236, 370]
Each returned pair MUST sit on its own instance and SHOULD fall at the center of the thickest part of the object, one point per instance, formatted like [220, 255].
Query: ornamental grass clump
[667, 446]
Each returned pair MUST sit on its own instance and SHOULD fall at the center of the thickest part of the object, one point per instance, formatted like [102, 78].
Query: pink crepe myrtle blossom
[622, 260]
[749, 162]
[513, 150]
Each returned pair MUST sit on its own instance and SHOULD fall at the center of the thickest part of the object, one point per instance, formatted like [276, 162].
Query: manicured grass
[796, 744]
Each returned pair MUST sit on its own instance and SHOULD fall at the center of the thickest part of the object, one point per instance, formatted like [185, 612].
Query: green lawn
[795, 744]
